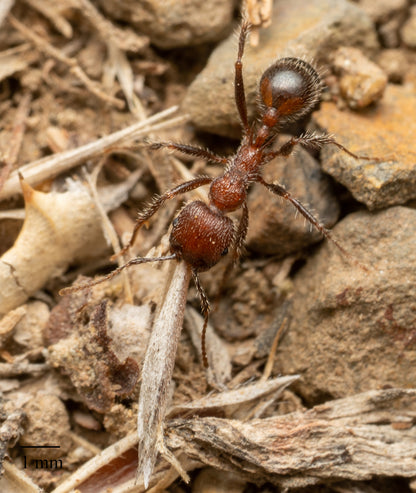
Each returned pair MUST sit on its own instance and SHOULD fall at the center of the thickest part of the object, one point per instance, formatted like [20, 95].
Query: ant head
[289, 89]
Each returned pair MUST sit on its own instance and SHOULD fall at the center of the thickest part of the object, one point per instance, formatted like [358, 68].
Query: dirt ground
[311, 341]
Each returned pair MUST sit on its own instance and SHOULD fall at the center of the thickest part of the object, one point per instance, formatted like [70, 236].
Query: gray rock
[171, 24]
[353, 330]
[274, 228]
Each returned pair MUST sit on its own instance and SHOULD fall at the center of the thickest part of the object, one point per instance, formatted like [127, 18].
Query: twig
[10, 155]
[71, 63]
[8, 370]
[50, 166]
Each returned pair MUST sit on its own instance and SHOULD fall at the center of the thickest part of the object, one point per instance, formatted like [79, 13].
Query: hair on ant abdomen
[202, 233]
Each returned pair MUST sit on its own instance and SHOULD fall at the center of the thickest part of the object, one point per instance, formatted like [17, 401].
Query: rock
[362, 82]
[29, 330]
[386, 131]
[274, 228]
[47, 423]
[383, 10]
[394, 63]
[352, 330]
[171, 24]
[313, 30]
[388, 15]
[408, 31]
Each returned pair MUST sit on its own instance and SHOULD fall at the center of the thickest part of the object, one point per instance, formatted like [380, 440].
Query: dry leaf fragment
[93, 367]
[236, 397]
[59, 228]
[10, 431]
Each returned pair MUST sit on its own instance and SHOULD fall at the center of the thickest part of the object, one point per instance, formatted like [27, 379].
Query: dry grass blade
[50, 166]
[158, 368]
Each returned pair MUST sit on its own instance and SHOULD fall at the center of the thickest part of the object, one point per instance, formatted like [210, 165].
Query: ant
[203, 233]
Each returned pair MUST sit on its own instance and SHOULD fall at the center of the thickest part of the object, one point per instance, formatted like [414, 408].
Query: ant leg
[134, 261]
[190, 151]
[240, 237]
[314, 141]
[241, 233]
[281, 192]
[158, 201]
[205, 308]
[240, 97]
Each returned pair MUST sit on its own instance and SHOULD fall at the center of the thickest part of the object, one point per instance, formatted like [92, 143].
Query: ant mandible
[202, 233]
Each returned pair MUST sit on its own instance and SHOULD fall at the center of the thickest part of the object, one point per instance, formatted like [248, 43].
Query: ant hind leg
[205, 308]
[281, 192]
[115, 272]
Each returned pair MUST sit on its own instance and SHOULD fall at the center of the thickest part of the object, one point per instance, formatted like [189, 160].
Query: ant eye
[291, 86]
[175, 221]
[224, 252]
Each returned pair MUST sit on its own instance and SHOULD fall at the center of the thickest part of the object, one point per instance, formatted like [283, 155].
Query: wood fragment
[351, 438]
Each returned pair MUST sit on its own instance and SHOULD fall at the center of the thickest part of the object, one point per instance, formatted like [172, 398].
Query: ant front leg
[313, 141]
[190, 151]
[160, 200]
[240, 96]
[281, 192]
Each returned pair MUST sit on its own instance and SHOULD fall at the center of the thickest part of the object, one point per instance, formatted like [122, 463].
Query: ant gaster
[202, 233]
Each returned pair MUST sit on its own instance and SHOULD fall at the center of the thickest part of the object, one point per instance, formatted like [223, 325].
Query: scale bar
[40, 446]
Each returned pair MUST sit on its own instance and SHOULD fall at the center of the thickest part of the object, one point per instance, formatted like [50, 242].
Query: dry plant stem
[158, 368]
[10, 155]
[50, 166]
[9, 370]
[14, 479]
[108, 228]
[270, 360]
[46, 8]
[50, 50]
[100, 460]
[123, 39]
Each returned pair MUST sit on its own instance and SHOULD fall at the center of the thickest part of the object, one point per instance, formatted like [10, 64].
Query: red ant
[202, 233]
